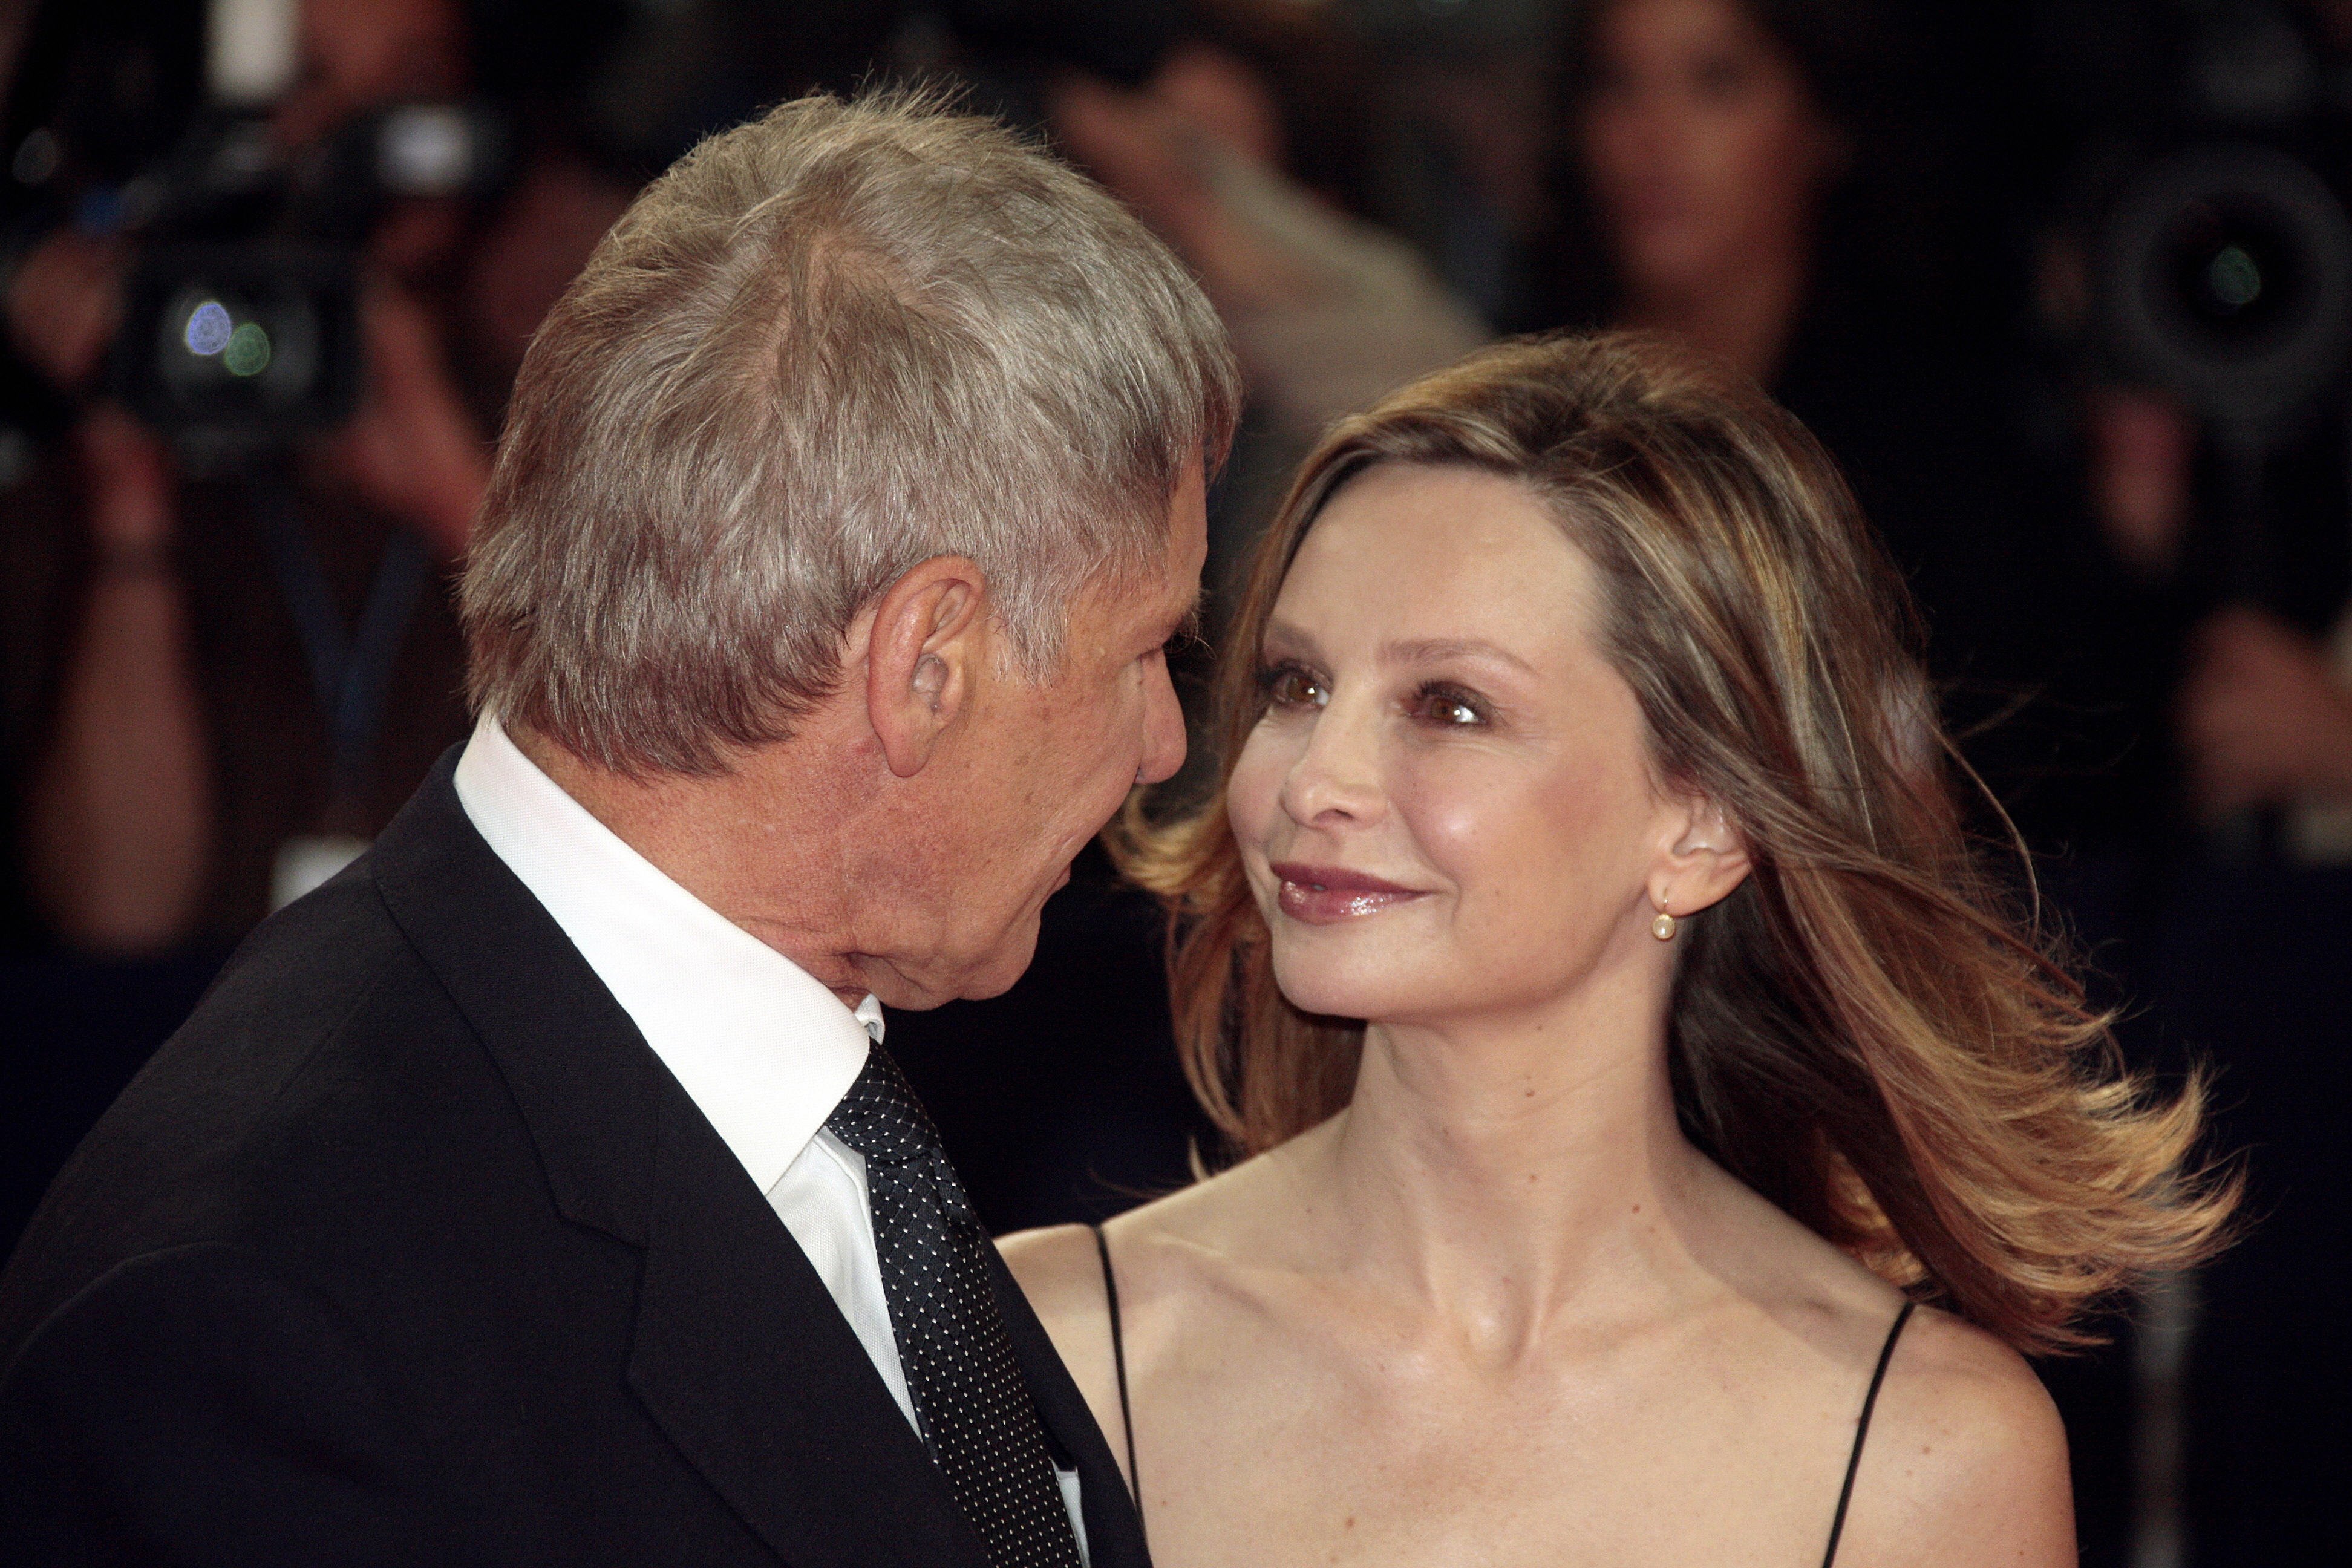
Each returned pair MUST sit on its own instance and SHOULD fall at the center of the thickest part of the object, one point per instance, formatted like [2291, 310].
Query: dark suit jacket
[407, 1248]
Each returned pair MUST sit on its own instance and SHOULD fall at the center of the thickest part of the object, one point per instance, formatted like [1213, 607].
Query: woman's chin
[1343, 990]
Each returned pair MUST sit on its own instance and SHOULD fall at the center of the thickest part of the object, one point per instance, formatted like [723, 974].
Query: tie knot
[882, 1120]
[880, 1117]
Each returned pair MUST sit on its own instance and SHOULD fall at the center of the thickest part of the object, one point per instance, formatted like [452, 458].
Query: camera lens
[258, 342]
[2225, 274]
[233, 348]
[2233, 271]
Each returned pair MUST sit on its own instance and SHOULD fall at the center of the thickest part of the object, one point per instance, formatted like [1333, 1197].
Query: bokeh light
[208, 331]
[247, 352]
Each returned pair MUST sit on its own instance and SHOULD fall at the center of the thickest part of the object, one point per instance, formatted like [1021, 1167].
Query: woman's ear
[1705, 860]
[923, 650]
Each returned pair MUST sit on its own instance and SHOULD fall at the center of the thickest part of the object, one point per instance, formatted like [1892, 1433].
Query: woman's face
[1446, 810]
[1700, 140]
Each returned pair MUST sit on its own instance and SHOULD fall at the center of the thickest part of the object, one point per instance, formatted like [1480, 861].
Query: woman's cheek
[1457, 808]
[1254, 793]
[1506, 832]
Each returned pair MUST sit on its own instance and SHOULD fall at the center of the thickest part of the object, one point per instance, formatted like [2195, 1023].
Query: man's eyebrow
[1427, 650]
[1187, 627]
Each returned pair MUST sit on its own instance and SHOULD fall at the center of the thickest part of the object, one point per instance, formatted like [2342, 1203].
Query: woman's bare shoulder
[1966, 1460]
[1059, 1270]
[1157, 1253]
[1155, 1247]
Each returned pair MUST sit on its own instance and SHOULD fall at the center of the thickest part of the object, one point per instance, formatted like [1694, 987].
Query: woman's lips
[1325, 895]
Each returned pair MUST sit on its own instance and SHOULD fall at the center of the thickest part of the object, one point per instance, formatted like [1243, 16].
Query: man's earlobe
[923, 649]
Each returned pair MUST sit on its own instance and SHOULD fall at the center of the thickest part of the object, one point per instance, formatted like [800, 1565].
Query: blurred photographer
[2206, 271]
[2197, 277]
[252, 658]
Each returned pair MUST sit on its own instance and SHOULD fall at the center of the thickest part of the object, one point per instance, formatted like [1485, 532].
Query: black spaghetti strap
[1118, 1361]
[1861, 1429]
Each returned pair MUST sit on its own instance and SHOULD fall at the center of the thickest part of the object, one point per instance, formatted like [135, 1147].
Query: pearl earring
[1663, 928]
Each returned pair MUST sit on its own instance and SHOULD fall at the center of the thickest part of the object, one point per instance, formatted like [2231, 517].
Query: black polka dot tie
[970, 1399]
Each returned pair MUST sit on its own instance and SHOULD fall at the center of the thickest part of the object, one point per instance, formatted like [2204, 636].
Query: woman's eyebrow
[1429, 650]
[1291, 639]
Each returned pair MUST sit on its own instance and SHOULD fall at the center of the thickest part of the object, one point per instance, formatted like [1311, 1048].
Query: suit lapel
[739, 1352]
[1114, 1533]
[585, 1082]
[742, 1357]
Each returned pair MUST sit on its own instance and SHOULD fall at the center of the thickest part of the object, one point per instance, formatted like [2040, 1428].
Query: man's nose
[1163, 732]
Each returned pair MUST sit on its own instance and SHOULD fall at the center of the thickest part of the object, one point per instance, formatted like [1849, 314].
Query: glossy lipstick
[1325, 895]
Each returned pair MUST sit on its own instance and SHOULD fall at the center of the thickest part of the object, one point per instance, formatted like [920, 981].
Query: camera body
[2224, 275]
[241, 324]
[2220, 252]
[256, 342]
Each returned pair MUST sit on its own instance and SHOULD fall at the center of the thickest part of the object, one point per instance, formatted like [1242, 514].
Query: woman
[1583, 949]
[1708, 154]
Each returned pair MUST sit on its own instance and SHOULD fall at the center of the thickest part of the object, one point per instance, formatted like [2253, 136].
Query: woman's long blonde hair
[1869, 1032]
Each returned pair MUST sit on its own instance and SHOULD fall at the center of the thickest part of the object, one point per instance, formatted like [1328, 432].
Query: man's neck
[726, 837]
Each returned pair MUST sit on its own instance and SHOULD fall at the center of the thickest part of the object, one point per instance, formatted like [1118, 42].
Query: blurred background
[2066, 286]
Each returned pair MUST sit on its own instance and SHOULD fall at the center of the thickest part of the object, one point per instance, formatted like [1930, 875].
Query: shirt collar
[764, 1051]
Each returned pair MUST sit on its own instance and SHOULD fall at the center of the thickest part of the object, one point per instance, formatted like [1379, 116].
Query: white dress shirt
[762, 1049]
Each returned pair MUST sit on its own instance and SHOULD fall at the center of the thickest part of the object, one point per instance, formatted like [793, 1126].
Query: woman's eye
[1451, 709]
[1288, 686]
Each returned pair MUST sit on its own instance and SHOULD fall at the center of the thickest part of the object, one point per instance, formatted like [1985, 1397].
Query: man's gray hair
[824, 347]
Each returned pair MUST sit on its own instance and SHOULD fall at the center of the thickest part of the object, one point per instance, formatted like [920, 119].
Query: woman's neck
[1743, 317]
[1502, 1174]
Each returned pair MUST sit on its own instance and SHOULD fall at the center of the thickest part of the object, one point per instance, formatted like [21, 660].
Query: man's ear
[1705, 859]
[924, 645]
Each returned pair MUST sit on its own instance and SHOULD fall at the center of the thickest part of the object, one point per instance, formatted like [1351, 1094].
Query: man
[538, 1191]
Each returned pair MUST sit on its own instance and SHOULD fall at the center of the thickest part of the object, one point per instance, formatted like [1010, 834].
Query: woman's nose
[1337, 777]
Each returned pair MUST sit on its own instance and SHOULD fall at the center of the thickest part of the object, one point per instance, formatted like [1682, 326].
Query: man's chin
[1004, 967]
[913, 990]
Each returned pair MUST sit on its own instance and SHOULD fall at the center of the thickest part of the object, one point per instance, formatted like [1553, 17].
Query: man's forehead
[1187, 533]
[1168, 602]
[1182, 593]
[1169, 606]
